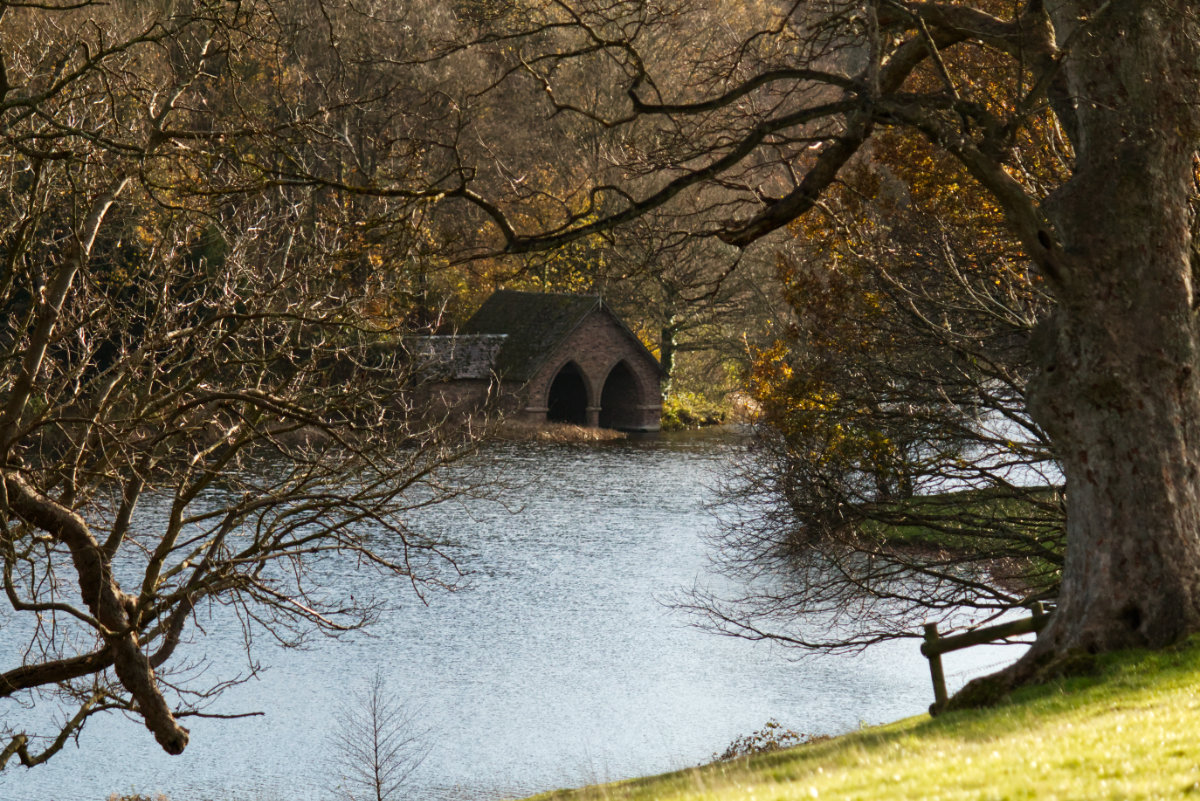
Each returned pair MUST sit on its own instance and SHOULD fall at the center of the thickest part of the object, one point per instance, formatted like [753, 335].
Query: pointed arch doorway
[567, 400]
[620, 400]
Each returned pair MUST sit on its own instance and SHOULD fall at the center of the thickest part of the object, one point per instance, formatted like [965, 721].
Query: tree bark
[113, 609]
[666, 346]
[1118, 389]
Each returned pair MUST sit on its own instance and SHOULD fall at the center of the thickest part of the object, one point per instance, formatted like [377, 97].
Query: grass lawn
[968, 519]
[1130, 731]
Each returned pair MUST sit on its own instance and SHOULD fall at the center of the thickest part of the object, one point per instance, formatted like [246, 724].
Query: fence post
[929, 648]
[1039, 615]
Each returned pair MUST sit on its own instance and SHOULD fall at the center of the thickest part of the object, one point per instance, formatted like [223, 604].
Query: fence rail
[935, 645]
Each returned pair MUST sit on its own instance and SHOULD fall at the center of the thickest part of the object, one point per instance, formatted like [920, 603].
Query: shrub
[771, 737]
[688, 410]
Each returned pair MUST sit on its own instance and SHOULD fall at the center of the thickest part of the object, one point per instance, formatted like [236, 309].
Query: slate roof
[448, 358]
[536, 323]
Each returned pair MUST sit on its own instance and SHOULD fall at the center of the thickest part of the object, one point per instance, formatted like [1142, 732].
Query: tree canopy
[187, 329]
[895, 471]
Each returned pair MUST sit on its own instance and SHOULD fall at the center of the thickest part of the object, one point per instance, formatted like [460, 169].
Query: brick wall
[597, 346]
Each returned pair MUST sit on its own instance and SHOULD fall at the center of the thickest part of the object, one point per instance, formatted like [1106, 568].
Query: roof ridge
[537, 323]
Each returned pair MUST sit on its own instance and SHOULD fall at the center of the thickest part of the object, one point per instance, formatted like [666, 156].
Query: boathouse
[562, 358]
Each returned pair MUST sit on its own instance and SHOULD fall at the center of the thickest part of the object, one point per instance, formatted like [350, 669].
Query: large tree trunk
[1118, 389]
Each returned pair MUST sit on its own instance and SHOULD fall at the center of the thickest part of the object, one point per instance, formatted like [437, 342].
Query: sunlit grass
[1128, 732]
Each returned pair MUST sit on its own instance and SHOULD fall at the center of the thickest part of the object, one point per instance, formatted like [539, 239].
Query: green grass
[956, 520]
[1131, 731]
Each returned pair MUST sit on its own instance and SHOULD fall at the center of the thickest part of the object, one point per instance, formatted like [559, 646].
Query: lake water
[558, 665]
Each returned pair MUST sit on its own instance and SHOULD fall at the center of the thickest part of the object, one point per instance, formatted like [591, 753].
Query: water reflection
[555, 665]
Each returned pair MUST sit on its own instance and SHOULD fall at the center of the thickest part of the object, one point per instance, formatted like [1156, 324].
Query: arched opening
[620, 399]
[568, 398]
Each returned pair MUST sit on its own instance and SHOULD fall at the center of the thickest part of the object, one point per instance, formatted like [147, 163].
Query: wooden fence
[935, 645]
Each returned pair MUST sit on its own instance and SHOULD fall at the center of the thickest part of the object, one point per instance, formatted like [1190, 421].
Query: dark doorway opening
[568, 397]
[619, 400]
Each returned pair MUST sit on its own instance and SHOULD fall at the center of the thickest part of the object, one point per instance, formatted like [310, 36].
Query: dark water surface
[557, 666]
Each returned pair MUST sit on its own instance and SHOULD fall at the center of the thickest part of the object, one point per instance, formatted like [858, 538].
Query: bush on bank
[682, 410]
